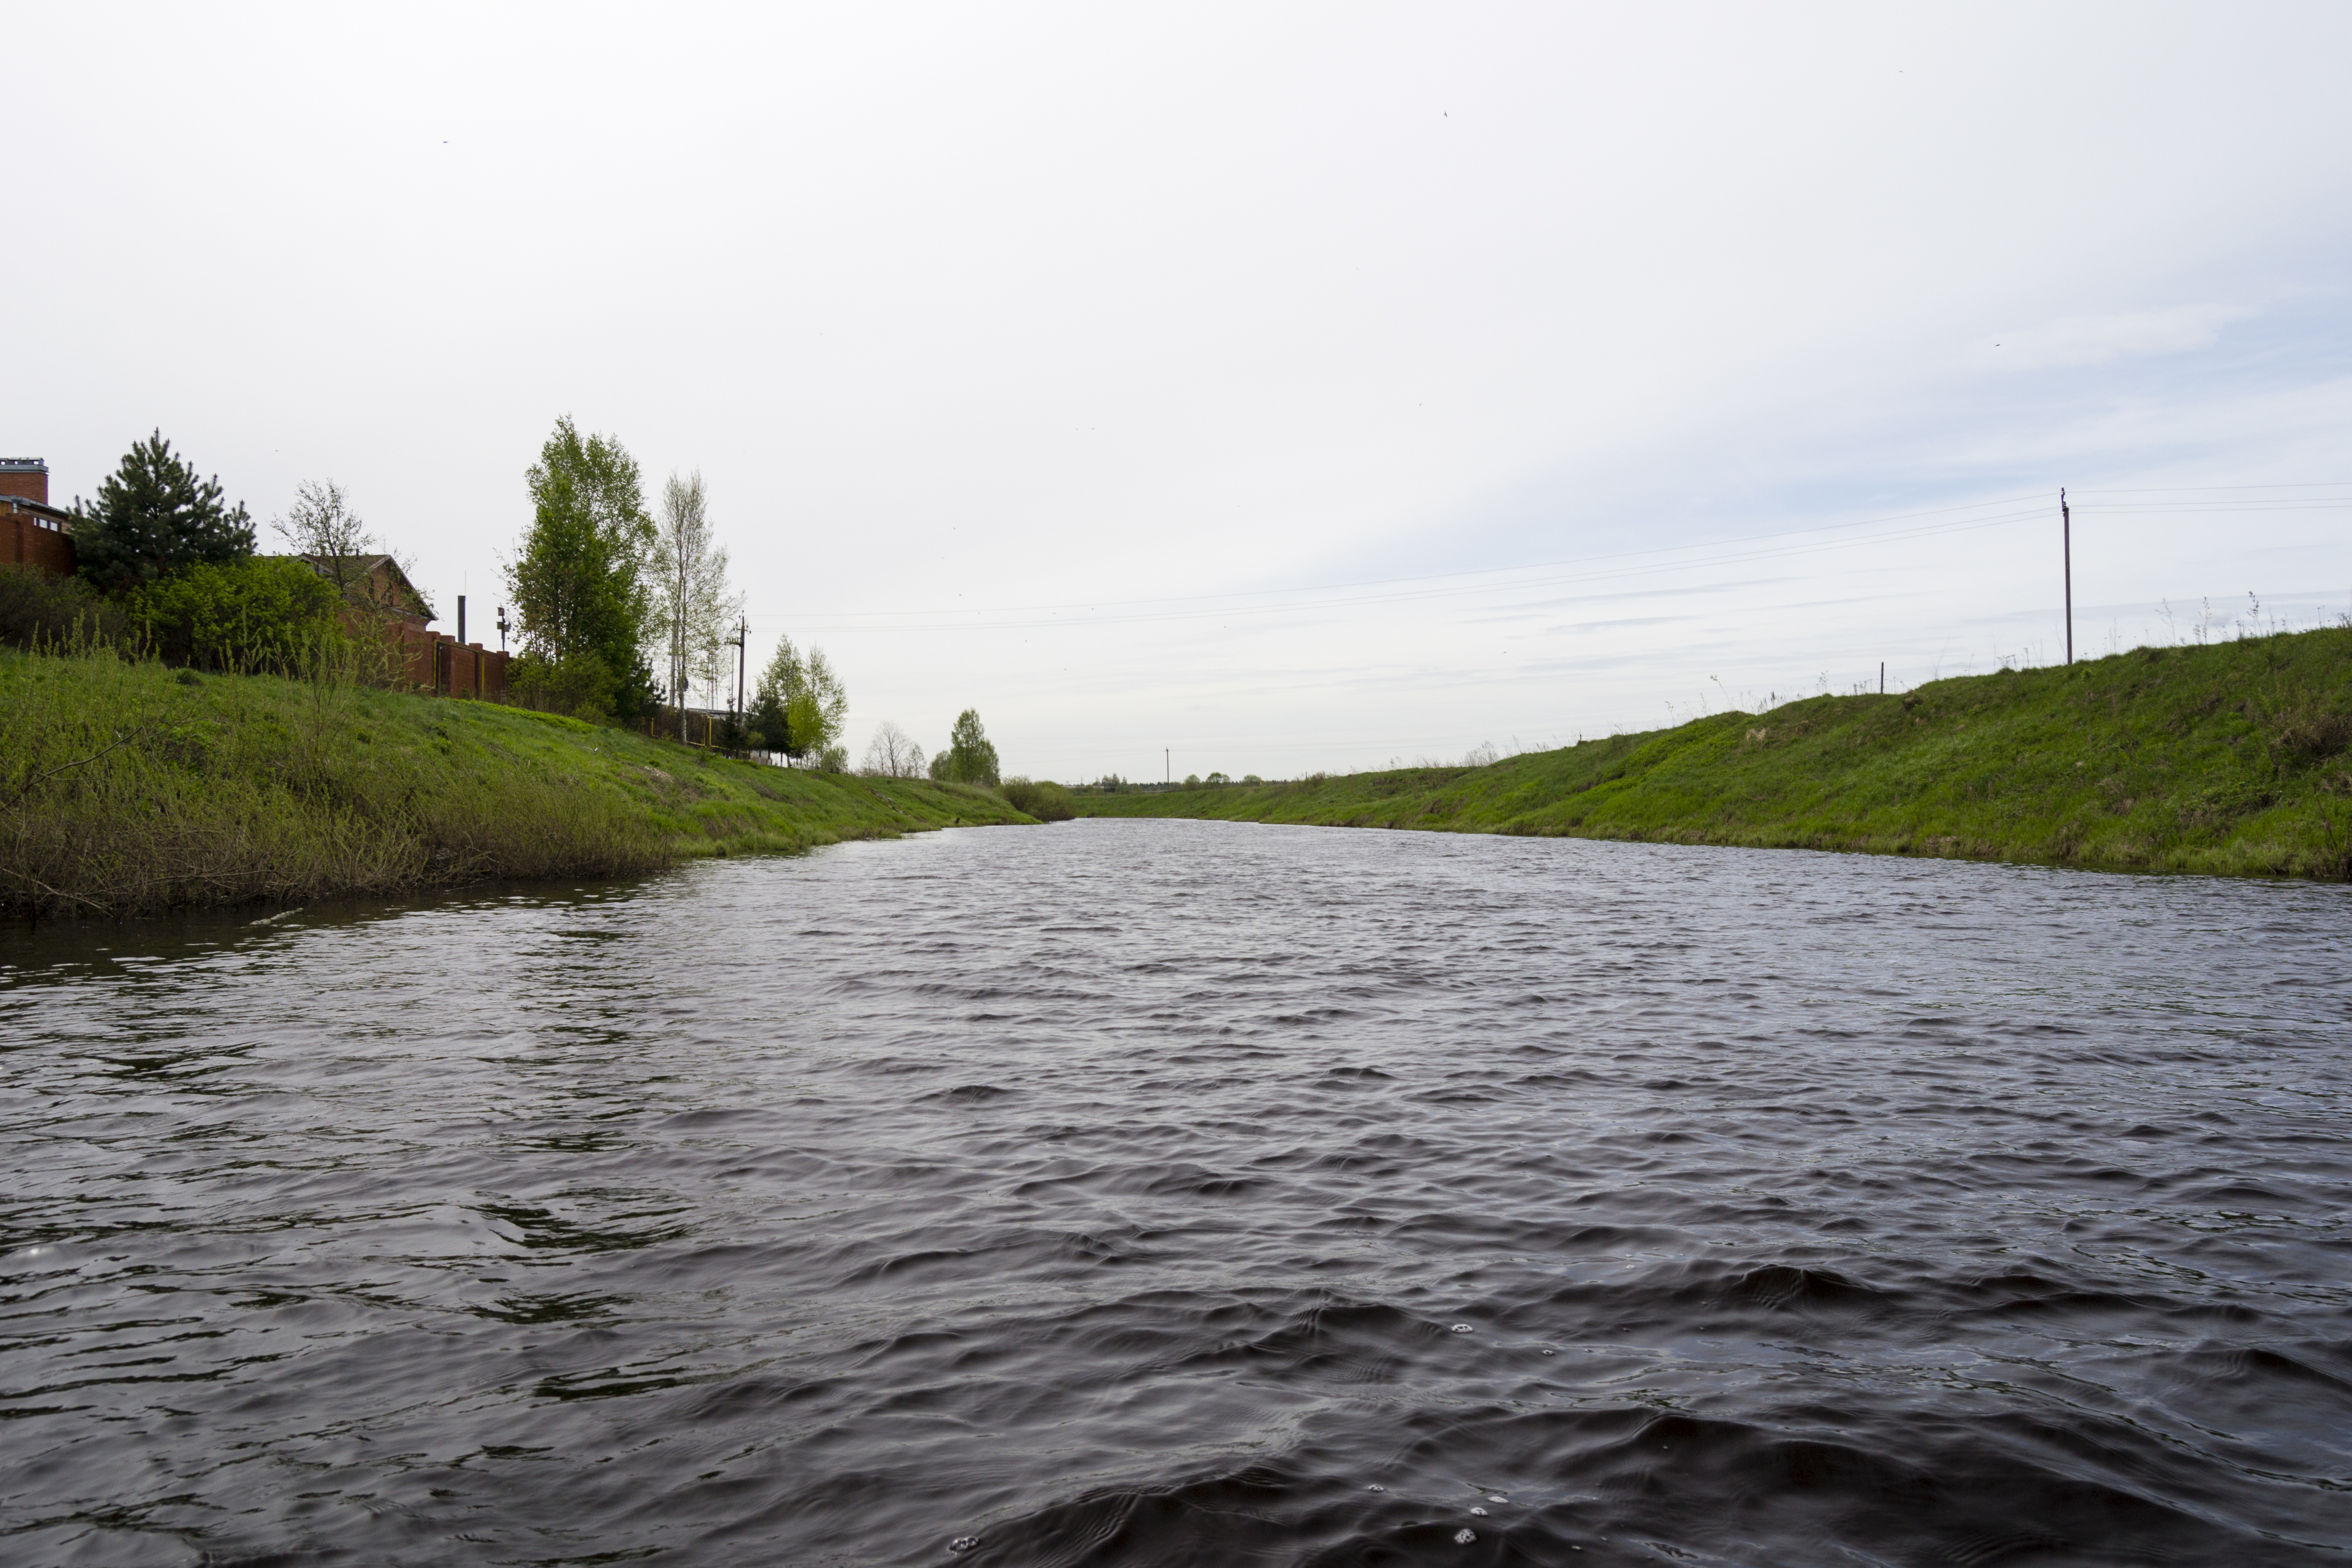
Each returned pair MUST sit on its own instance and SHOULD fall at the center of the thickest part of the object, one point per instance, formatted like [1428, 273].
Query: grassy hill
[2229, 758]
[127, 787]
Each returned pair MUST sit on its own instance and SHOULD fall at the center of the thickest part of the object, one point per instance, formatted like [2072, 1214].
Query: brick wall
[30, 539]
[26, 478]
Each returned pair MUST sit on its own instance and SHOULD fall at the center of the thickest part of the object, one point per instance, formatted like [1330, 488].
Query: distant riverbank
[2229, 758]
[126, 788]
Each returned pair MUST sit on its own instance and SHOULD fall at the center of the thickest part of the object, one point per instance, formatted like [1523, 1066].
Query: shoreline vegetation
[2232, 758]
[128, 787]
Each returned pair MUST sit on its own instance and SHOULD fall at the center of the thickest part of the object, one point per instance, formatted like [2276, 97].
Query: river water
[1130, 1192]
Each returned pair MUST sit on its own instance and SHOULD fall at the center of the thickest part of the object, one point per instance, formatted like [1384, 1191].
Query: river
[1134, 1192]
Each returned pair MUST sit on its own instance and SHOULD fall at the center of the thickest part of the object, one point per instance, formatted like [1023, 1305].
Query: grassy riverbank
[2229, 758]
[127, 787]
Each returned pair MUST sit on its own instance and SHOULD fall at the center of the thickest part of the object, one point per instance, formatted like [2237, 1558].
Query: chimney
[26, 478]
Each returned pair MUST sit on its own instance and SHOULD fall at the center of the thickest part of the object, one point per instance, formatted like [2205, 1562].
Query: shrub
[36, 609]
[262, 614]
[581, 686]
[1045, 801]
[2315, 737]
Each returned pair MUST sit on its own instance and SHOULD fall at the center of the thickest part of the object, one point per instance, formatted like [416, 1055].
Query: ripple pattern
[1171, 1193]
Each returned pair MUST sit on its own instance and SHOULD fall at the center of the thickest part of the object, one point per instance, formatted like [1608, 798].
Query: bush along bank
[126, 787]
[2233, 758]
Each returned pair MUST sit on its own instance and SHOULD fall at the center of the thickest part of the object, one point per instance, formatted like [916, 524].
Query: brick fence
[437, 663]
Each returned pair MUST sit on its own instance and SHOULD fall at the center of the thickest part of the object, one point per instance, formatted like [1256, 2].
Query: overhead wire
[1511, 579]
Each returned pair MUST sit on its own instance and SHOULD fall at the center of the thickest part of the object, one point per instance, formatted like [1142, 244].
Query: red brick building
[32, 532]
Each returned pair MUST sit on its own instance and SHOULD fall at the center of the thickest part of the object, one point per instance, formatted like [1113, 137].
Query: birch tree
[692, 606]
[815, 703]
[893, 754]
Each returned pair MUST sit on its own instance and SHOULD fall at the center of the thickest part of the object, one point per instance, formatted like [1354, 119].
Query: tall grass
[127, 787]
[2231, 757]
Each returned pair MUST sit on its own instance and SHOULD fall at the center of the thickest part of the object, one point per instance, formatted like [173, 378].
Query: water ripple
[1176, 1193]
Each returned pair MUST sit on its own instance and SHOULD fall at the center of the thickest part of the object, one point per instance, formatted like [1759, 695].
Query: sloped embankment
[127, 787]
[2231, 758]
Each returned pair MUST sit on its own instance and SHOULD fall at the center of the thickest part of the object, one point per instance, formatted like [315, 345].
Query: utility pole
[741, 631]
[1166, 769]
[1881, 678]
[461, 618]
[2066, 535]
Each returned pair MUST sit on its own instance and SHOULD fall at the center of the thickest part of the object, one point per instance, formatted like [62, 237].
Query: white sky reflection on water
[963, 312]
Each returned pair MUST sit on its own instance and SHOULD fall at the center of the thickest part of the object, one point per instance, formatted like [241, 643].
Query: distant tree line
[621, 614]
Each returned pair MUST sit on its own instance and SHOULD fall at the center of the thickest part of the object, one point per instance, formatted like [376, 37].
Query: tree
[971, 758]
[691, 605]
[579, 581]
[770, 730]
[815, 703]
[325, 532]
[891, 754]
[154, 517]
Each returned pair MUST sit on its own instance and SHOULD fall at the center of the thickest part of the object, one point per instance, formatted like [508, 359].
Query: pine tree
[154, 517]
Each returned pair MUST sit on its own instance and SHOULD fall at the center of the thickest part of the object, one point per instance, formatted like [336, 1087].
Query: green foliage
[153, 516]
[127, 787]
[832, 759]
[1045, 801]
[969, 758]
[2228, 758]
[814, 701]
[37, 610]
[580, 581]
[583, 685]
[263, 612]
[771, 731]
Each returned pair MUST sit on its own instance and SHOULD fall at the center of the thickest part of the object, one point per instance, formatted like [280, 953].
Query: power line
[1220, 605]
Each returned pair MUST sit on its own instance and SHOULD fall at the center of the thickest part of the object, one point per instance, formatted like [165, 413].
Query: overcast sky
[1283, 387]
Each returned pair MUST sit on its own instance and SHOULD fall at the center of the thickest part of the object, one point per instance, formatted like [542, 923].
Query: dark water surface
[1175, 1193]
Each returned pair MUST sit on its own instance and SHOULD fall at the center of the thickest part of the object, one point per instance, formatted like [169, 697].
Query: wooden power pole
[2066, 537]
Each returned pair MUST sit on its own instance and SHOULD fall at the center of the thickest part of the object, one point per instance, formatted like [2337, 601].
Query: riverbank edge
[2229, 759]
[129, 788]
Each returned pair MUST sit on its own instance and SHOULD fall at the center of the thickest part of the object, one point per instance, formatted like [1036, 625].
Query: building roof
[403, 594]
[57, 512]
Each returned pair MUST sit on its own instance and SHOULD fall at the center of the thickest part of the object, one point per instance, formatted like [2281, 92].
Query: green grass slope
[2229, 758]
[126, 787]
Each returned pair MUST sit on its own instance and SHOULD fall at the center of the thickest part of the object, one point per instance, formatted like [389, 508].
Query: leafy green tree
[815, 703]
[971, 758]
[154, 517]
[580, 581]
